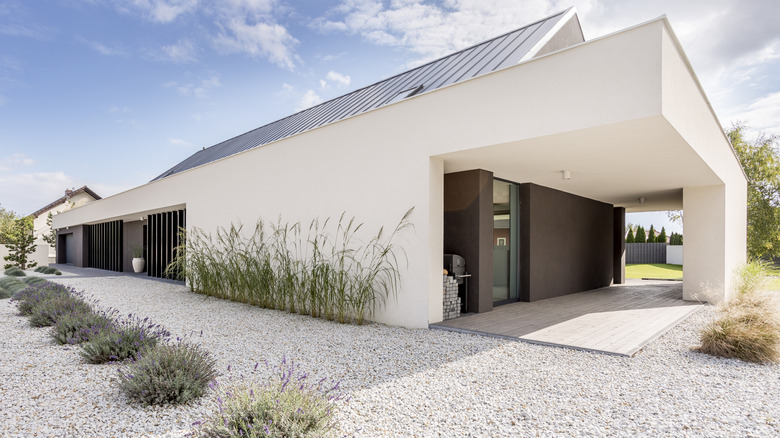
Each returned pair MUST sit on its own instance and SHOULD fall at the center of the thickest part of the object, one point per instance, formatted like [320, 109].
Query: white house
[73, 198]
[512, 141]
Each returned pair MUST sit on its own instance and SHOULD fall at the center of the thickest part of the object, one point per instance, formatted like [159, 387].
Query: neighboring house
[533, 132]
[71, 199]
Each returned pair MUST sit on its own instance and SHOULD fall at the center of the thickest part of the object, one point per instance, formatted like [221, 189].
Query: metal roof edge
[565, 17]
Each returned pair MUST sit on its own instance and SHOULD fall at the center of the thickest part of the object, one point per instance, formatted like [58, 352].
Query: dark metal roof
[497, 53]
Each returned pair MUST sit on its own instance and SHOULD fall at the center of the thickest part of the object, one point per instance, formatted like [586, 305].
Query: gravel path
[403, 382]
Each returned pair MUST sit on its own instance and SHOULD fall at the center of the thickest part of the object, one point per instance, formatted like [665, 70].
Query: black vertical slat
[153, 244]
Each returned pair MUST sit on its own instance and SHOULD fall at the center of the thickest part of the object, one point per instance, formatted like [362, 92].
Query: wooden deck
[616, 320]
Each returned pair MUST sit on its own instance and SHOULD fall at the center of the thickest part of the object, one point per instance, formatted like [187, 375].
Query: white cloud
[101, 48]
[433, 30]
[25, 192]
[338, 78]
[180, 142]
[258, 40]
[761, 114]
[161, 11]
[15, 161]
[182, 51]
[309, 99]
[198, 89]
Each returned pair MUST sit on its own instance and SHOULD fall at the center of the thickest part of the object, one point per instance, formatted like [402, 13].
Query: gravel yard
[402, 382]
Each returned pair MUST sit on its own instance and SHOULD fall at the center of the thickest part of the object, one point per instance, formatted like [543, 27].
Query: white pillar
[714, 225]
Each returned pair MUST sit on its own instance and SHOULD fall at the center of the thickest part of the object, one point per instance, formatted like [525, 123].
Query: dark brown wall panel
[468, 231]
[567, 243]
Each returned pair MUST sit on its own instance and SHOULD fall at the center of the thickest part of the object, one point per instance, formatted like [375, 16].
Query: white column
[714, 226]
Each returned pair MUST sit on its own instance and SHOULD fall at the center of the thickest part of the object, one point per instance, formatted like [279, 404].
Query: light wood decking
[616, 320]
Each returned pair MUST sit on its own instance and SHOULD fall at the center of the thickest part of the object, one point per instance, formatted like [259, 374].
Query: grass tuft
[748, 326]
[166, 374]
[4, 293]
[32, 280]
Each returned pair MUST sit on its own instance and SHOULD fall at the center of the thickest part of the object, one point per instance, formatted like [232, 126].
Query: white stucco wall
[41, 228]
[40, 256]
[674, 254]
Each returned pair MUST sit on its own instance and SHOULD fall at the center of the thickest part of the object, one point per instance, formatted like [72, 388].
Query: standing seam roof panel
[488, 56]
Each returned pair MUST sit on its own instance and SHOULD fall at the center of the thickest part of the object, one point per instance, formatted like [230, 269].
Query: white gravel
[402, 382]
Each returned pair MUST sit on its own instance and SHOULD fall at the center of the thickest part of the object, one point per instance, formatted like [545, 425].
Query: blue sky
[112, 93]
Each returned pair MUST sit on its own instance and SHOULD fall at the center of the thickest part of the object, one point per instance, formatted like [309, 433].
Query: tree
[661, 237]
[760, 160]
[51, 237]
[21, 244]
[639, 237]
[676, 239]
[651, 234]
[7, 218]
[630, 237]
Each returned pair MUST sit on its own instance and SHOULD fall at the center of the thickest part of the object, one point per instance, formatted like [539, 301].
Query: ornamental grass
[323, 270]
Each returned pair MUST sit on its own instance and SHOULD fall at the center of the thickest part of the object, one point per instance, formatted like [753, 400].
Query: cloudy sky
[111, 93]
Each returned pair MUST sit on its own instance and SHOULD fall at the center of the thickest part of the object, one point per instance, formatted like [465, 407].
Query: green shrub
[46, 313]
[748, 326]
[32, 280]
[123, 339]
[5, 293]
[12, 284]
[288, 406]
[164, 374]
[47, 270]
[79, 327]
[14, 271]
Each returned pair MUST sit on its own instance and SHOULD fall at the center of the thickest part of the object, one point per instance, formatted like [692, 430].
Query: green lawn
[658, 270]
[774, 284]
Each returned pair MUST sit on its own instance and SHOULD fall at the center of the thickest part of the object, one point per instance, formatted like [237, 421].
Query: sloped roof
[68, 194]
[491, 55]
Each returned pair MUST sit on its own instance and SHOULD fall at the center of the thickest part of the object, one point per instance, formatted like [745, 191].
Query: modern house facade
[517, 153]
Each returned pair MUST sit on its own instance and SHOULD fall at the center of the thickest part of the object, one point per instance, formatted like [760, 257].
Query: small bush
[748, 326]
[288, 406]
[47, 270]
[37, 293]
[12, 284]
[4, 293]
[14, 271]
[122, 340]
[79, 327]
[46, 313]
[32, 280]
[168, 374]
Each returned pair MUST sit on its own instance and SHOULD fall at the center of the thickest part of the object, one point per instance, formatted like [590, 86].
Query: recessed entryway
[616, 320]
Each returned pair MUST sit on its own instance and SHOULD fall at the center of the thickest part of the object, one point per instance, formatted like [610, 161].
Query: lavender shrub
[124, 339]
[290, 405]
